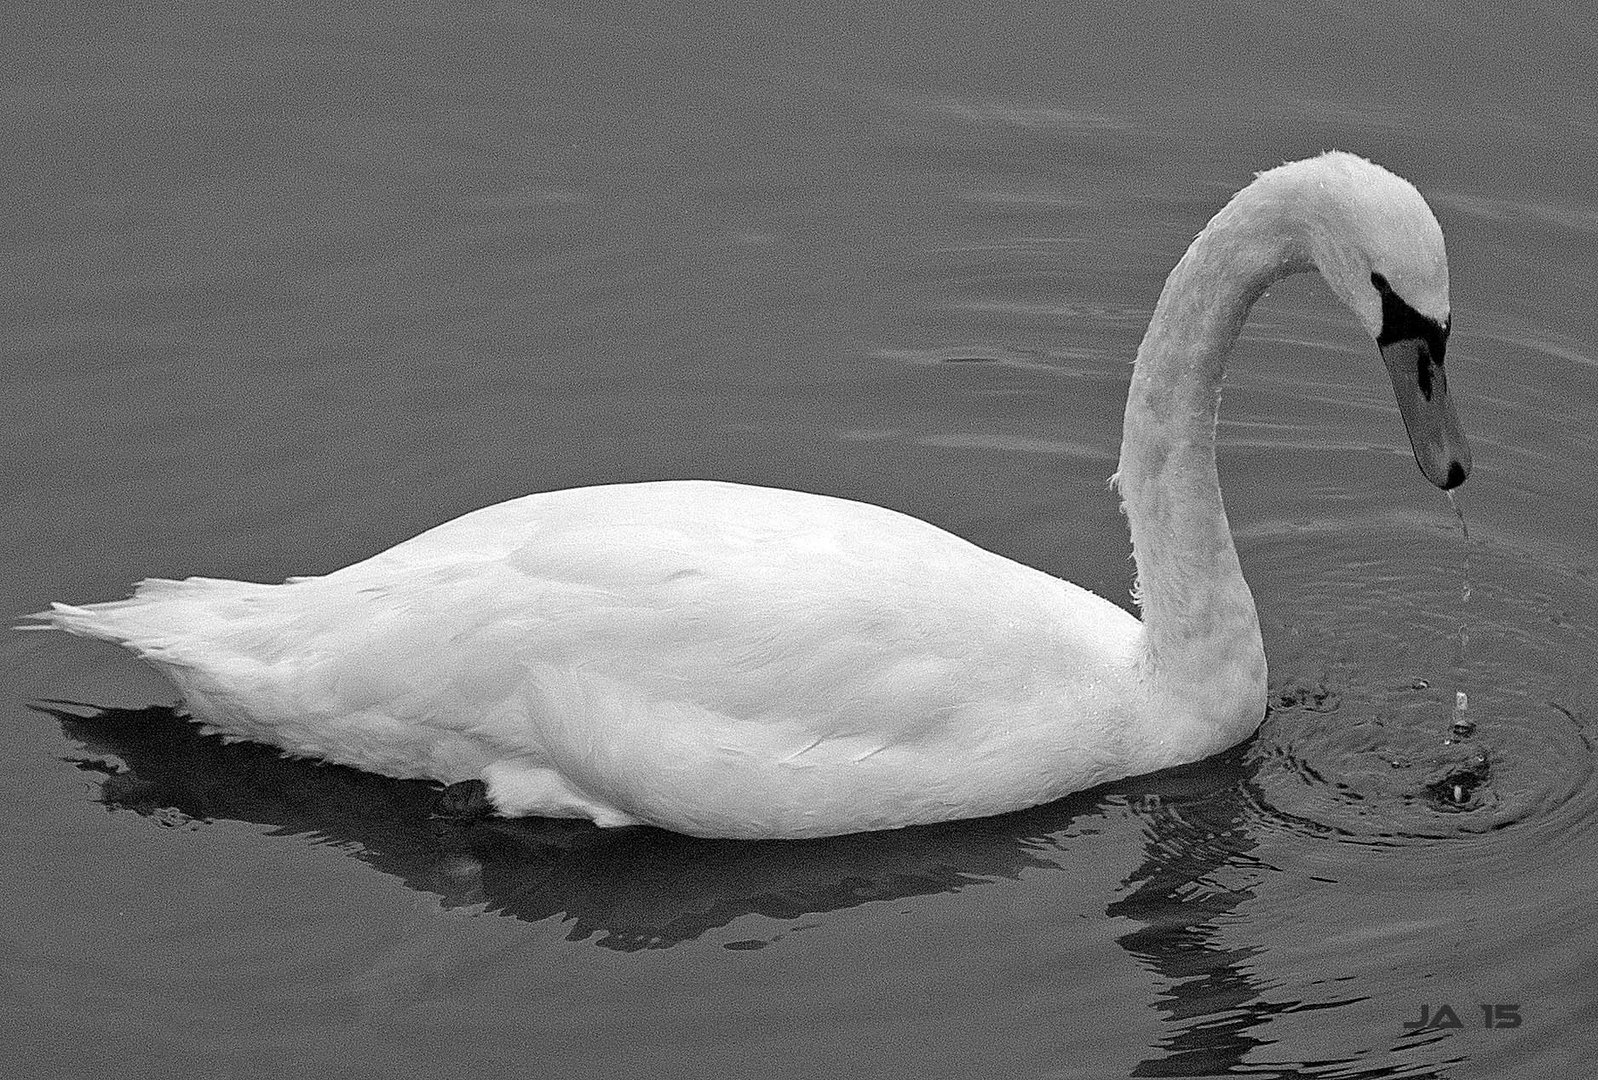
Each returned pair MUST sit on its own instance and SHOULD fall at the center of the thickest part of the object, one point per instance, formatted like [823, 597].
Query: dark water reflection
[642, 889]
[627, 889]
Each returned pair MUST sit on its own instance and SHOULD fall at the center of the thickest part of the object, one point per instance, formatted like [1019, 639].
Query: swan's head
[1379, 247]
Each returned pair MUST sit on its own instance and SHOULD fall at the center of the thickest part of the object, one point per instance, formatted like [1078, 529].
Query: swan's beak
[1415, 363]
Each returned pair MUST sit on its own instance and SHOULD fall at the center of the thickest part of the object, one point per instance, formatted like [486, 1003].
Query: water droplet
[1462, 725]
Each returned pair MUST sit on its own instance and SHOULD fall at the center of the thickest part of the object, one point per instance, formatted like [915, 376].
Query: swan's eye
[1401, 321]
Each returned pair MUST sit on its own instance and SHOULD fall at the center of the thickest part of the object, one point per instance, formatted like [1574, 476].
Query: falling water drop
[1462, 725]
[1464, 588]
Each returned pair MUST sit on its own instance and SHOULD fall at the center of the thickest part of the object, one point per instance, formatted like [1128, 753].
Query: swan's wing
[618, 636]
[749, 601]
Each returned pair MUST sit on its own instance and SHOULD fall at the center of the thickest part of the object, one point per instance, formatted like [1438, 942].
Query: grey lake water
[288, 283]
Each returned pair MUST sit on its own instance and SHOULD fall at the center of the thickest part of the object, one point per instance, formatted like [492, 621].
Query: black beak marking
[1412, 348]
[1401, 322]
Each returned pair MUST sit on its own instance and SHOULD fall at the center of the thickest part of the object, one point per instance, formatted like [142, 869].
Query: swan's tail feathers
[74, 619]
[155, 616]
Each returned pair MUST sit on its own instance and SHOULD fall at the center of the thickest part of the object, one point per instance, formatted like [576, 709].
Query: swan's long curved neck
[1201, 645]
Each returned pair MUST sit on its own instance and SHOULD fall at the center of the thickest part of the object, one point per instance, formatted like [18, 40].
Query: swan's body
[726, 660]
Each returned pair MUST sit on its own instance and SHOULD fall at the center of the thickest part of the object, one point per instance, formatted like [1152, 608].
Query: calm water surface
[287, 285]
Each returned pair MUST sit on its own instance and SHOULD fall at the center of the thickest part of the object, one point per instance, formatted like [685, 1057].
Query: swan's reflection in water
[626, 889]
[635, 889]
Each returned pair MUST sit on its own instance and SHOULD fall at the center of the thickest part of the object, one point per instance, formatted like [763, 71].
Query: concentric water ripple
[1360, 745]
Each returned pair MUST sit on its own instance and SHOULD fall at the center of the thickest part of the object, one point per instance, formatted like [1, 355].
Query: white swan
[739, 661]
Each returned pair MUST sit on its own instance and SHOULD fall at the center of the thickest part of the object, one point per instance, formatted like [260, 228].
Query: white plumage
[726, 660]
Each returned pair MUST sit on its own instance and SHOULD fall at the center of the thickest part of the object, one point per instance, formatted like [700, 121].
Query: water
[288, 285]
